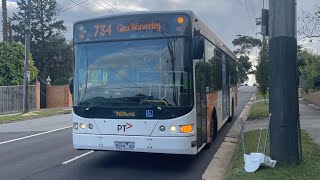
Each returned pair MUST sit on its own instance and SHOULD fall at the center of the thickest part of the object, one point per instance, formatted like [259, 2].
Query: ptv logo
[124, 127]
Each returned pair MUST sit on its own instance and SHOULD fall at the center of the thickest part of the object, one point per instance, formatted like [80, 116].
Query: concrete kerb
[224, 156]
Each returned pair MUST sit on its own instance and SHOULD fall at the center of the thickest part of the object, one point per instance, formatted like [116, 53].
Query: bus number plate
[121, 145]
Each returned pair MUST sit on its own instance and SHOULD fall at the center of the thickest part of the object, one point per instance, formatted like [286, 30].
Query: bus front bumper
[170, 145]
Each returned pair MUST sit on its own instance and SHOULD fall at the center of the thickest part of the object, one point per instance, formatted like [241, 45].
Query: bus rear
[133, 87]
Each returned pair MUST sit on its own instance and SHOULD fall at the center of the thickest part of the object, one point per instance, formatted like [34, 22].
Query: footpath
[221, 163]
[309, 121]
[9, 118]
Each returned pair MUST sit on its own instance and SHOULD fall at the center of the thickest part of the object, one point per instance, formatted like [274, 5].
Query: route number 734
[102, 30]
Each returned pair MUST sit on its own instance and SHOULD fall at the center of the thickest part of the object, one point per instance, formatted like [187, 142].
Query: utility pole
[285, 143]
[5, 20]
[27, 61]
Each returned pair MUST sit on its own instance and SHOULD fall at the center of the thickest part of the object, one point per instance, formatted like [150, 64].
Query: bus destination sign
[128, 28]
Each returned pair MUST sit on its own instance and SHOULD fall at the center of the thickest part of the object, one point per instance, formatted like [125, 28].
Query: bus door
[225, 96]
[201, 101]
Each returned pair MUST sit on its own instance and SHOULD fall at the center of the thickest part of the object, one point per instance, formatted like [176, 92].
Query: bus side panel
[212, 99]
[220, 119]
[231, 90]
[235, 95]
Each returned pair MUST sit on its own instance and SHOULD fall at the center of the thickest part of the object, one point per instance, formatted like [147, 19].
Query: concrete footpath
[309, 121]
[222, 160]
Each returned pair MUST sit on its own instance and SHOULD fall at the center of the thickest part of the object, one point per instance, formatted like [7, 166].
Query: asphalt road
[40, 154]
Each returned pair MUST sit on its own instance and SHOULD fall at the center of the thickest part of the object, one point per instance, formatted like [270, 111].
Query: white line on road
[33, 135]
[77, 157]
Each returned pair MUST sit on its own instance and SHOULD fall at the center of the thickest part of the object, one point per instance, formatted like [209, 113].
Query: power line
[111, 6]
[73, 6]
[85, 8]
[253, 9]
[250, 21]
[103, 6]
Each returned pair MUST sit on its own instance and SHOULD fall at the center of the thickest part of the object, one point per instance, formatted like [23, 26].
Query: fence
[58, 96]
[11, 99]
[313, 97]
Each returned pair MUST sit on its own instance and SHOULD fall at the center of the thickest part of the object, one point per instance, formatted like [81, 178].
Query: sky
[226, 18]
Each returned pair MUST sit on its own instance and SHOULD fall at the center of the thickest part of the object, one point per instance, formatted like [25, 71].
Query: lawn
[33, 115]
[307, 169]
[259, 96]
[259, 110]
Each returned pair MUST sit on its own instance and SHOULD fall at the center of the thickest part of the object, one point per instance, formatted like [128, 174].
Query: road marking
[33, 135]
[77, 157]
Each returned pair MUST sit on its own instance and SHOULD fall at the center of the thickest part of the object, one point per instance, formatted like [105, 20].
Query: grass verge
[307, 169]
[259, 110]
[33, 115]
[260, 96]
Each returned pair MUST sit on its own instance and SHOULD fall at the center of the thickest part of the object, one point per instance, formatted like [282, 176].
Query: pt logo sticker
[124, 127]
[149, 113]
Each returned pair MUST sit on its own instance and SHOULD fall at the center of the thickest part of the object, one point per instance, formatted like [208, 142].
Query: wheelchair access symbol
[149, 113]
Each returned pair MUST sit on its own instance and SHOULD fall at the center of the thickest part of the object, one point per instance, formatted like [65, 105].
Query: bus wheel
[232, 111]
[214, 127]
[213, 130]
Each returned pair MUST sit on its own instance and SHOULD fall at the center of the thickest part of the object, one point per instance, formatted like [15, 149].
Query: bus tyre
[213, 130]
[232, 115]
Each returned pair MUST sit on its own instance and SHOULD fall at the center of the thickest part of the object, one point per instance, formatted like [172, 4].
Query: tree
[244, 67]
[245, 45]
[309, 69]
[45, 26]
[12, 64]
[61, 57]
[310, 24]
[262, 70]
[5, 29]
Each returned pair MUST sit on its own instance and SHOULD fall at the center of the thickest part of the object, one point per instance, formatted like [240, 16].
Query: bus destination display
[127, 28]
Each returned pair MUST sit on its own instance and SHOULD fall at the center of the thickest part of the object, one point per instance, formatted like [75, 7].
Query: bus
[156, 82]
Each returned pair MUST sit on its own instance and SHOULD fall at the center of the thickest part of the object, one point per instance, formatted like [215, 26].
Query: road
[36, 149]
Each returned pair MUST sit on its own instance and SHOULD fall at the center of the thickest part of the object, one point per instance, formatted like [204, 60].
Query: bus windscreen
[131, 27]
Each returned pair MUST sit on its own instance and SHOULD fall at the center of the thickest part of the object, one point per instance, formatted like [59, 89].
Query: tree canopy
[309, 68]
[245, 45]
[44, 20]
[51, 52]
[12, 64]
[244, 68]
[310, 24]
[262, 72]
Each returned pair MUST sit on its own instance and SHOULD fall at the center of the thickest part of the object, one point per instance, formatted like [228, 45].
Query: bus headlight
[173, 129]
[82, 126]
[90, 126]
[186, 128]
[75, 125]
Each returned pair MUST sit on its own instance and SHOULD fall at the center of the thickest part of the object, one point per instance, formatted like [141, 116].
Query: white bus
[157, 82]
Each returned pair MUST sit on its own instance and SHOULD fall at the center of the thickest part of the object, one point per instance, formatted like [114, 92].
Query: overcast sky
[226, 18]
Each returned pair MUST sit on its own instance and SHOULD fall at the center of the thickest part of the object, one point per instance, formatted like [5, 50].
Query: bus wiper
[99, 102]
[154, 106]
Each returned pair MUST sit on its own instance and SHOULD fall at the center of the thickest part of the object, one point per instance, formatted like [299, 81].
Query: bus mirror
[198, 48]
[71, 85]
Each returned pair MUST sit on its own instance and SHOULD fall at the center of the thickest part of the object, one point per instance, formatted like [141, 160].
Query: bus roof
[205, 31]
